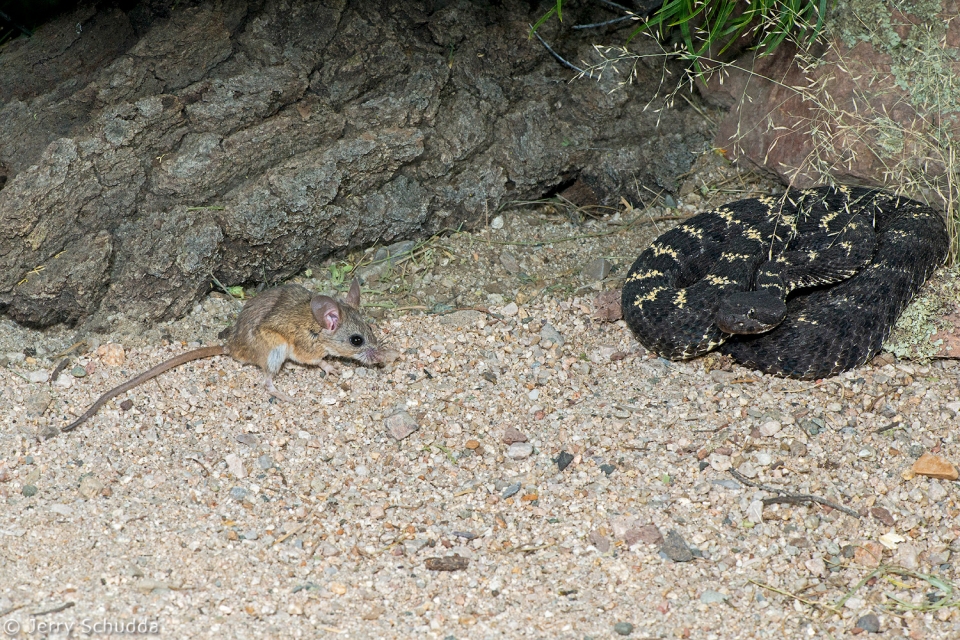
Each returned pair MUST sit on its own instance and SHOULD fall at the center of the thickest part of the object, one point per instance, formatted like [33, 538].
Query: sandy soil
[198, 507]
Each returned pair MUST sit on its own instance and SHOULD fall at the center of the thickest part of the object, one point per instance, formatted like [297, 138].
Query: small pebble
[816, 566]
[908, 557]
[597, 270]
[510, 310]
[748, 470]
[111, 354]
[934, 466]
[90, 487]
[235, 466]
[869, 623]
[62, 509]
[675, 547]
[548, 333]
[709, 596]
[647, 534]
[36, 403]
[812, 427]
[509, 263]
[623, 628]
[512, 435]
[771, 428]
[519, 450]
[599, 541]
[564, 460]
[726, 483]
[247, 438]
[400, 425]
[511, 490]
[447, 563]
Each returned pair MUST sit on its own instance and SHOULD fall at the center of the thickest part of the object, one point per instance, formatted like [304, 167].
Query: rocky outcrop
[148, 150]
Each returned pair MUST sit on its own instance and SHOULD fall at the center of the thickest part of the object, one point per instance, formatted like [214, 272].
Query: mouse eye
[356, 340]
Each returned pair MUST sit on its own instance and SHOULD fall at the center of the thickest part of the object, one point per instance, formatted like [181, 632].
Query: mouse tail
[183, 358]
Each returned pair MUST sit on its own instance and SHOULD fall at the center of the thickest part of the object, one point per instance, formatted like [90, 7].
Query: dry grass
[918, 159]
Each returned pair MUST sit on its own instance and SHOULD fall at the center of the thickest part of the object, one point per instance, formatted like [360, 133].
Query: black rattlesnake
[804, 285]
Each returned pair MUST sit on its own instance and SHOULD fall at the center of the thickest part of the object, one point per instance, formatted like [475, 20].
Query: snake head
[750, 312]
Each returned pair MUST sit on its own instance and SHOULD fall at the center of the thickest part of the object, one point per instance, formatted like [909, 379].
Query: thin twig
[892, 425]
[58, 370]
[56, 609]
[297, 529]
[225, 290]
[812, 603]
[70, 349]
[793, 498]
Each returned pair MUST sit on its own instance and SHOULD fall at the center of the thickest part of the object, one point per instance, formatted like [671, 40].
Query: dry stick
[791, 498]
[70, 349]
[56, 609]
[58, 370]
[812, 603]
[892, 425]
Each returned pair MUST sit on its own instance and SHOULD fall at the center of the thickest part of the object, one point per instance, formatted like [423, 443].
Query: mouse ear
[353, 296]
[326, 311]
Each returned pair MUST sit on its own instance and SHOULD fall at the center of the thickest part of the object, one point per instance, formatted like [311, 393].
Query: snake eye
[356, 340]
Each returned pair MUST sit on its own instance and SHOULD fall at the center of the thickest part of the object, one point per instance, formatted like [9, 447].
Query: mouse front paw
[329, 368]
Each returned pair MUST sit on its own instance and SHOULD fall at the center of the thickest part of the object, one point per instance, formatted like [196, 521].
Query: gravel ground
[197, 507]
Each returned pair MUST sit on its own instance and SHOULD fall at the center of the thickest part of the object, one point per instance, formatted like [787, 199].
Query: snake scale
[803, 285]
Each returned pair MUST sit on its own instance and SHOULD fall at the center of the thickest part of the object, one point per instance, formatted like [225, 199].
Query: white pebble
[519, 450]
[771, 428]
[62, 509]
[64, 382]
[235, 465]
[719, 462]
[816, 566]
[748, 470]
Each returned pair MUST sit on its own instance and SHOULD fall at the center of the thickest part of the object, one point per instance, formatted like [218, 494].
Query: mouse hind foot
[276, 393]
